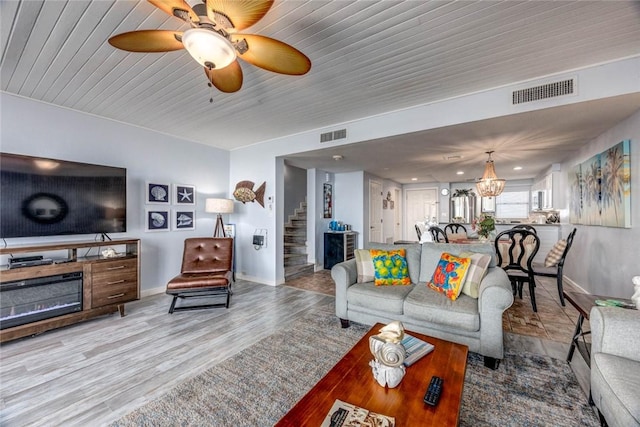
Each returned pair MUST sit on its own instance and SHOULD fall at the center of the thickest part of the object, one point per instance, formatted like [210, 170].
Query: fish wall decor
[244, 192]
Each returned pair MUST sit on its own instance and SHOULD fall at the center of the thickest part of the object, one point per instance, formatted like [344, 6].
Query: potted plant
[485, 224]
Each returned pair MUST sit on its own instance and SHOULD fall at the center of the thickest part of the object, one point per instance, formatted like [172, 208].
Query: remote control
[433, 391]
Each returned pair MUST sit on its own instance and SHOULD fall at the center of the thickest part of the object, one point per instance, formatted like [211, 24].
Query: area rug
[259, 385]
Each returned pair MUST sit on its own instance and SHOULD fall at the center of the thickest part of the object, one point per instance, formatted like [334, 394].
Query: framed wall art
[184, 195]
[157, 193]
[157, 220]
[184, 220]
[600, 189]
[230, 230]
[327, 197]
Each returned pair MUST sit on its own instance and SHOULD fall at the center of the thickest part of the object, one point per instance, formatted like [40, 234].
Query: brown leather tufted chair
[206, 271]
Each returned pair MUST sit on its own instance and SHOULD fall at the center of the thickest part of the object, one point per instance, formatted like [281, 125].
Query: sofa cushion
[364, 266]
[413, 253]
[425, 305]
[390, 267]
[432, 251]
[388, 299]
[448, 277]
[477, 271]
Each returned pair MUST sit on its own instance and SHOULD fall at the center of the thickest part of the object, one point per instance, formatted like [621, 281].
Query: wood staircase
[295, 244]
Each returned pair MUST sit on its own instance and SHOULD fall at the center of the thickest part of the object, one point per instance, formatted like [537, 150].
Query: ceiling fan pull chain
[210, 92]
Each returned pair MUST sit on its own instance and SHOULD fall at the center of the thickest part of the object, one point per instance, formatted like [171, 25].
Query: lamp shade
[219, 206]
[209, 48]
[489, 185]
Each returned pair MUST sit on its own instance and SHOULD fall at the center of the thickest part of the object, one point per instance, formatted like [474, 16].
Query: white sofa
[615, 365]
[476, 323]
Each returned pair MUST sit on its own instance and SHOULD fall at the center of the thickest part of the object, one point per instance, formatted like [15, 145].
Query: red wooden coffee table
[351, 381]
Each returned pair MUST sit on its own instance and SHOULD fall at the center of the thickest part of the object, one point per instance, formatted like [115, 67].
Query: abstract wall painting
[615, 165]
[601, 189]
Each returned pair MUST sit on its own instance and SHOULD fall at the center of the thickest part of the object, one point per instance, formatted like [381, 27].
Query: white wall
[39, 129]
[603, 260]
[349, 201]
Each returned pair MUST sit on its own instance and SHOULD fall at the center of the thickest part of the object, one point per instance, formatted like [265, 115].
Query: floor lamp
[219, 206]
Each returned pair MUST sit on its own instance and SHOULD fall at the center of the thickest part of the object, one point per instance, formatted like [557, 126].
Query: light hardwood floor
[95, 372]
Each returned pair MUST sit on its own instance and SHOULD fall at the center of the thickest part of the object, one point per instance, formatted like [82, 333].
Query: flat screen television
[50, 197]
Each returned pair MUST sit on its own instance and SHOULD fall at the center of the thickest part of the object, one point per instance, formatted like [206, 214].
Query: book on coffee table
[415, 349]
[343, 414]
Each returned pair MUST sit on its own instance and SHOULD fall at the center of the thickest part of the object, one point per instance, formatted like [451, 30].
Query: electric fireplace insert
[31, 300]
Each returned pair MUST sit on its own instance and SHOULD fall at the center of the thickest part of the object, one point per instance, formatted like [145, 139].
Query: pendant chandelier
[489, 185]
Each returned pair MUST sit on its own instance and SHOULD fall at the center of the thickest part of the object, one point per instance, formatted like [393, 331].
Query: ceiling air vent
[330, 136]
[326, 137]
[545, 91]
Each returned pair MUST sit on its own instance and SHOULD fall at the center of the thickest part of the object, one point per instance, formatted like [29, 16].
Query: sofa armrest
[495, 296]
[495, 291]
[615, 331]
[344, 274]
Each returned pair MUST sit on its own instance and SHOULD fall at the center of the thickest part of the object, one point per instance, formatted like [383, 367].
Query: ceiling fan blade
[227, 79]
[273, 55]
[241, 14]
[177, 8]
[148, 41]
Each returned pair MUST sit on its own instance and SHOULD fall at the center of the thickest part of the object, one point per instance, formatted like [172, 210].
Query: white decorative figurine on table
[389, 354]
[636, 295]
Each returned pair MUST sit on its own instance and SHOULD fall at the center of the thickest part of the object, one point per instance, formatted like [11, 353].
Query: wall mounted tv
[50, 197]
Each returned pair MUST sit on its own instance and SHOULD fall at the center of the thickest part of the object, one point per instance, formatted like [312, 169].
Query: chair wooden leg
[520, 285]
[532, 293]
[559, 279]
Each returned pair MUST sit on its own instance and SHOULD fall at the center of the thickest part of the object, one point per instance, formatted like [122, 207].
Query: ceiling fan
[214, 41]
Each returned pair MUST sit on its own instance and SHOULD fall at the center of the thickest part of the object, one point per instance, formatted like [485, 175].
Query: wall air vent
[330, 136]
[545, 91]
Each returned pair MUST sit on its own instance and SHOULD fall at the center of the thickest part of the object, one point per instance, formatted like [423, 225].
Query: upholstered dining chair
[554, 262]
[206, 272]
[438, 235]
[526, 227]
[516, 249]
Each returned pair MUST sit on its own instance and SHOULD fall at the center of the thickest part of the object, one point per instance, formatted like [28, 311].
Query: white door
[421, 205]
[397, 215]
[375, 211]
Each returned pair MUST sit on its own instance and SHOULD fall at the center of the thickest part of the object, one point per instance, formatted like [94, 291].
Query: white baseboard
[566, 279]
[152, 291]
[255, 279]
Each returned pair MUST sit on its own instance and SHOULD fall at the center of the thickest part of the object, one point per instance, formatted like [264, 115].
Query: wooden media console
[106, 284]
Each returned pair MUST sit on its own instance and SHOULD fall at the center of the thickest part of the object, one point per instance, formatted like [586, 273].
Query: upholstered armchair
[615, 365]
[206, 272]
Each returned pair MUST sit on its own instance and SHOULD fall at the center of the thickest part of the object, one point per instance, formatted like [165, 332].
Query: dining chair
[556, 270]
[454, 228]
[438, 235]
[526, 227]
[516, 249]
[418, 232]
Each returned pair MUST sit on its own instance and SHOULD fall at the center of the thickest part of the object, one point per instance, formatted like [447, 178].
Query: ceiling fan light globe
[209, 48]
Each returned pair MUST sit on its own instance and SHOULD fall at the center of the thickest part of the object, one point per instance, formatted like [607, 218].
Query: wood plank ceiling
[369, 57]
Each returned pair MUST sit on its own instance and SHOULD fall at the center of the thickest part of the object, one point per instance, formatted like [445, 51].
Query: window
[512, 204]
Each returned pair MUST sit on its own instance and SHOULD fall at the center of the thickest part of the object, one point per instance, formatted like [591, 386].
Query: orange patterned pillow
[449, 275]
